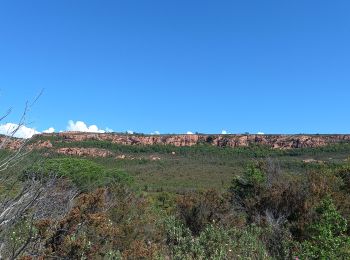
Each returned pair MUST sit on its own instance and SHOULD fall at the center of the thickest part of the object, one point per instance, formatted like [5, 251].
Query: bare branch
[6, 114]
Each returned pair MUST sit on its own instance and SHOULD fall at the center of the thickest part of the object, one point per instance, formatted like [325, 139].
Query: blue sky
[176, 66]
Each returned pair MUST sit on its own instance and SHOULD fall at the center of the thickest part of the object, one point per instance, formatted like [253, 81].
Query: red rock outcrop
[91, 152]
[274, 141]
[11, 143]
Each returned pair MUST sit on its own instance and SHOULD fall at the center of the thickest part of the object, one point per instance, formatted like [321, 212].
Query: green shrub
[214, 242]
[198, 209]
[245, 186]
[84, 173]
[179, 239]
[119, 176]
[247, 244]
[328, 239]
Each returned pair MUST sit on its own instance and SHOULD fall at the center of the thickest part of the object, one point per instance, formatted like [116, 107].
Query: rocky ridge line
[238, 140]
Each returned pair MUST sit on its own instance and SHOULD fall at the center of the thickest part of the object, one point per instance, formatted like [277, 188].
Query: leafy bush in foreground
[328, 239]
[214, 242]
[91, 231]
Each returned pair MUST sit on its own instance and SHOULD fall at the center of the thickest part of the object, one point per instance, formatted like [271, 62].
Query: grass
[201, 166]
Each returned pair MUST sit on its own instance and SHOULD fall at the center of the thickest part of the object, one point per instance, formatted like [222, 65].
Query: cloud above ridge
[80, 126]
[50, 130]
[22, 132]
[27, 132]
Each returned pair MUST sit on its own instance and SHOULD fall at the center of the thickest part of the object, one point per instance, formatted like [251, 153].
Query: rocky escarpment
[65, 141]
[79, 151]
[273, 141]
[11, 143]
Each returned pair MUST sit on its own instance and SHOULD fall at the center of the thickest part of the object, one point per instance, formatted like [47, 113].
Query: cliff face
[11, 143]
[274, 141]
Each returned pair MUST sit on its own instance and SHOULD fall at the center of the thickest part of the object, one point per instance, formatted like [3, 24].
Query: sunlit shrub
[327, 237]
[214, 242]
[84, 173]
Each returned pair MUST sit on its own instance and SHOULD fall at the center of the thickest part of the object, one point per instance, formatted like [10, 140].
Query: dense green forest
[199, 202]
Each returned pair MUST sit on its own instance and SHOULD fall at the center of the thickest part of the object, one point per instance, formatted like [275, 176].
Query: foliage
[90, 231]
[84, 173]
[184, 206]
[197, 210]
[214, 242]
[327, 235]
[250, 183]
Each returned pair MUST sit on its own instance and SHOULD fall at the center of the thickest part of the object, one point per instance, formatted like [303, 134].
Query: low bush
[214, 242]
[327, 234]
[84, 173]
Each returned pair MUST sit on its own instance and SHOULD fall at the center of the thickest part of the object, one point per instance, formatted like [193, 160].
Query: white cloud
[49, 131]
[155, 133]
[130, 132]
[189, 133]
[22, 132]
[80, 126]
[109, 130]
[224, 132]
[260, 133]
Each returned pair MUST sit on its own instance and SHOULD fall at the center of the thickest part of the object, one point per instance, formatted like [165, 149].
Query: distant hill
[180, 140]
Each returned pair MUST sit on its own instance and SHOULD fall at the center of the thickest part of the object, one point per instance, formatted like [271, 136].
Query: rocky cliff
[237, 140]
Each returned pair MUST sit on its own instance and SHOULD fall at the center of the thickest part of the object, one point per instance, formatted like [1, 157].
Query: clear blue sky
[176, 66]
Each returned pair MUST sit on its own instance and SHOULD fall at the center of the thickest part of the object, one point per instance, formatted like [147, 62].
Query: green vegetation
[214, 242]
[84, 173]
[200, 202]
[327, 235]
[202, 166]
